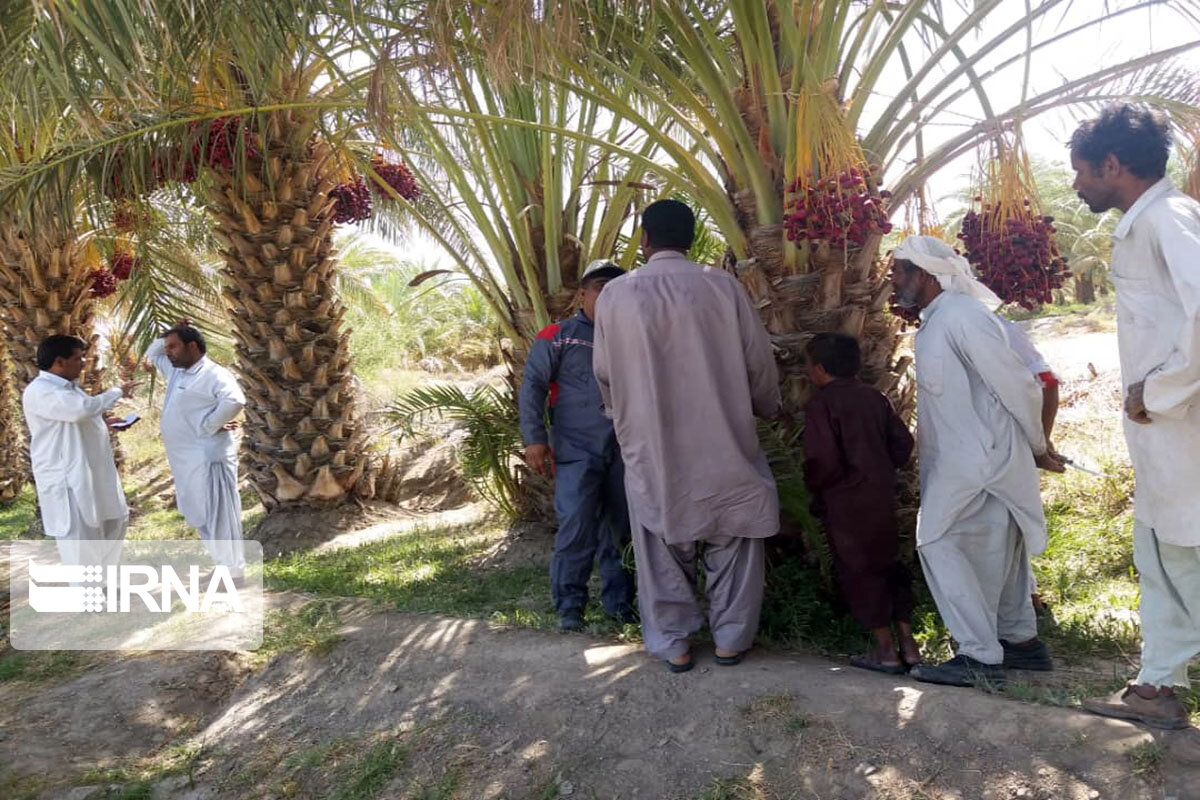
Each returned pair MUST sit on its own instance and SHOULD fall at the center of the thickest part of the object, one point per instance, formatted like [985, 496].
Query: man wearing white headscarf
[980, 441]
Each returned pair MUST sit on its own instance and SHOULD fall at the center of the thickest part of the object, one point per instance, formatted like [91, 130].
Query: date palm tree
[745, 98]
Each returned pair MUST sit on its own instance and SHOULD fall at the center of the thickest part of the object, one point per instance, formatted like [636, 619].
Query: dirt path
[491, 713]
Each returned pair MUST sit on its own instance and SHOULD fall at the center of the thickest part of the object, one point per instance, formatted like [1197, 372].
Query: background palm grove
[372, 207]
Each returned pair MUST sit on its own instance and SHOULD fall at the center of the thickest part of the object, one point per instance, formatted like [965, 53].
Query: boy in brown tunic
[853, 444]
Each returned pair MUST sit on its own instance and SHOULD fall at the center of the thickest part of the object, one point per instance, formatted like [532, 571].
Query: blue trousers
[593, 526]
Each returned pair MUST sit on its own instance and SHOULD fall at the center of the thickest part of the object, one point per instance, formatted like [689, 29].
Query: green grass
[1051, 310]
[135, 780]
[17, 516]
[1145, 759]
[425, 570]
[311, 629]
[365, 777]
[731, 789]
[33, 666]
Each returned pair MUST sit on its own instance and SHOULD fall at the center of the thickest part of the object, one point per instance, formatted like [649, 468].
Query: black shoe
[1035, 657]
[959, 671]
[570, 621]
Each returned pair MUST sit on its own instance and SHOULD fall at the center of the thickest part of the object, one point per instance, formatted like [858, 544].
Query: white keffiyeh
[953, 272]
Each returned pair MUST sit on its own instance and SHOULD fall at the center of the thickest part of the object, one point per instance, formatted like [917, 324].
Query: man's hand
[129, 387]
[1051, 462]
[538, 458]
[1135, 404]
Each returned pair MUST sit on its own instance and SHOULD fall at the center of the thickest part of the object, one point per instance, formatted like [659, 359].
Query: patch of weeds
[1145, 759]
[19, 515]
[21, 787]
[311, 629]
[165, 524]
[732, 789]
[797, 722]
[779, 708]
[137, 779]
[443, 790]
[798, 611]
[365, 777]
[426, 570]
[33, 666]
[544, 790]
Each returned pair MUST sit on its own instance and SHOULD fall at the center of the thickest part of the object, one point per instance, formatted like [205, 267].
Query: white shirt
[199, 401]
[979, 420]
[1020, 343]
[70, 450]
[1156, 270]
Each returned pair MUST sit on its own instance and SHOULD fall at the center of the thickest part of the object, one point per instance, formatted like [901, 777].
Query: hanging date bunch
[397, 175]
[122, 264]
[214, 144]
[353, 201]
[128, 217]
[834, 196]
[104, 282]
[1007, 238]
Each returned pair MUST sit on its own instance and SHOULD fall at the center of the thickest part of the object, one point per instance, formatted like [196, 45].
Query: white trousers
[1169, 577]
[978, 573]
[84, 544]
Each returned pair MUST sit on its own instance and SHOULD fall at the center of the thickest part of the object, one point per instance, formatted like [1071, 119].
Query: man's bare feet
[910, 651]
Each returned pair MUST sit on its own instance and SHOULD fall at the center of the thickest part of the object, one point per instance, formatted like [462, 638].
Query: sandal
[865, 662]
[678, 668]
[729, 661]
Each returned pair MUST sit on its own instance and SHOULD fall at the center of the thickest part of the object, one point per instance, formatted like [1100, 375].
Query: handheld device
[125, 422]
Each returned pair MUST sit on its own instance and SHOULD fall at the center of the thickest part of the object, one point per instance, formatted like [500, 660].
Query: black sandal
[678, 668]
[864, 662]
[729, 661]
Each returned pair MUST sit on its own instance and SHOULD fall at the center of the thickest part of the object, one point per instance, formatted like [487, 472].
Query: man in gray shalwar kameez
[684, 365]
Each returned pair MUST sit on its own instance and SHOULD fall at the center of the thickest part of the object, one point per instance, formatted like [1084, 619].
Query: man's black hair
[188, 334]
[669, 224]
[1138, 137]
[57, 346]
[837, 353]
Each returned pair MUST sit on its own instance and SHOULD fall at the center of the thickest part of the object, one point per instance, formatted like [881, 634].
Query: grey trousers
[978, 573]
[734, 569]
[1169, 578]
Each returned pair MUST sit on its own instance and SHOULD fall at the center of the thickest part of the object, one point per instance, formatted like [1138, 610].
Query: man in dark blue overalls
[589, 477]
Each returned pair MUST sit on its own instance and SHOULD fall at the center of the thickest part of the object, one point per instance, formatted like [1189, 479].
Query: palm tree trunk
[306, 442]
[842, 291]
[1085, 288]
[13, 470]
[45, 289]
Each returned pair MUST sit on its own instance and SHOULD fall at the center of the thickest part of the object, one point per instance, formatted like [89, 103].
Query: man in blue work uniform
[582, 452]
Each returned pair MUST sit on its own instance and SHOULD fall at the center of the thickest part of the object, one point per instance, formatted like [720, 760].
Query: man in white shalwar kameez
[1120, 162]
[201, 402]
[684, 365]
[79, 491]
[980, 441]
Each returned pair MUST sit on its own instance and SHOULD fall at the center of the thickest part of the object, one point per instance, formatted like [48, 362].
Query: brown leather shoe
[1163, 710]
